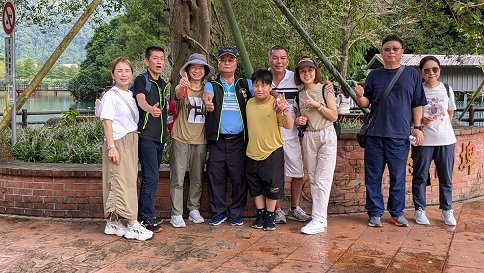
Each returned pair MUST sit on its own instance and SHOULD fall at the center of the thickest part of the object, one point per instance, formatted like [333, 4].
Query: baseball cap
[227, 50]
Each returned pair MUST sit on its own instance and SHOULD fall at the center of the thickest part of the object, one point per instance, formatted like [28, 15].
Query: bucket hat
[197, 58]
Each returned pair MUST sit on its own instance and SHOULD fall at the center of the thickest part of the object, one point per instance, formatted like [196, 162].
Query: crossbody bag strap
[389, 87]
[127, 104]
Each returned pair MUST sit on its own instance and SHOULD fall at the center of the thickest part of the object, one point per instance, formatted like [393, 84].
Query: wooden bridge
[56, 87]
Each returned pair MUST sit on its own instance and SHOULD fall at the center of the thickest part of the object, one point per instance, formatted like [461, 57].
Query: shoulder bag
[368, 117]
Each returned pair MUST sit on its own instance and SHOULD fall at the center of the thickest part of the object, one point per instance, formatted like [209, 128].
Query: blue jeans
[381, 151]
[149, 154]
[443, 157]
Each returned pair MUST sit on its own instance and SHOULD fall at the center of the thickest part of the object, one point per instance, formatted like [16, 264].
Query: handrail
[24, 113]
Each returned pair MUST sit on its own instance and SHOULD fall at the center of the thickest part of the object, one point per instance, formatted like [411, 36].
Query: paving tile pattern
[348, 245]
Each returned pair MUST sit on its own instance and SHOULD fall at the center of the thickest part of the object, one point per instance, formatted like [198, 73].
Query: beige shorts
[293, 164]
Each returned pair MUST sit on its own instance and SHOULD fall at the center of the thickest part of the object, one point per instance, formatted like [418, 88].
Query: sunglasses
[394, 49]
[435, 70]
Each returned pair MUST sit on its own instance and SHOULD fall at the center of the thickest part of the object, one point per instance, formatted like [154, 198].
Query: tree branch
[194, 42]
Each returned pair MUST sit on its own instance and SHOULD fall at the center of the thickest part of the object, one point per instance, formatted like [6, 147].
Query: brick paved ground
[348, 245]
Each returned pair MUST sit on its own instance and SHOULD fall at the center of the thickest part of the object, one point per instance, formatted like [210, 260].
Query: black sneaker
[259, 221]
[270, 221]
[150, 225]
[157, 220]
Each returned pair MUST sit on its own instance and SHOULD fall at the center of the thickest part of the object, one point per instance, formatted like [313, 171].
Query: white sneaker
[138, 232]
[195, 217]
[420, 218]
[115, 228]
[313, 227]
[177, 221]
[448, 216]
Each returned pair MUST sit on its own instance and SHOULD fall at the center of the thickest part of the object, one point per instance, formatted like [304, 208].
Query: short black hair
[276, 47]
[262, 75]
[392, 37]
[151, 49]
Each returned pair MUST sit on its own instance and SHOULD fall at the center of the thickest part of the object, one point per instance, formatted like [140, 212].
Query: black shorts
[266, 177]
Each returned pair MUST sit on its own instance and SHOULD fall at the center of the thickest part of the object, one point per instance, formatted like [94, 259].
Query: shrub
[72, 142]
[78, 142]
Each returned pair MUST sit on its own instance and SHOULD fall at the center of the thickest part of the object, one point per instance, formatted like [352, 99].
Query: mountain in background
[38, 43]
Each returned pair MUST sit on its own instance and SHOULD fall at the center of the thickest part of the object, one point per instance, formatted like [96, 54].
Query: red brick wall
[69, 190]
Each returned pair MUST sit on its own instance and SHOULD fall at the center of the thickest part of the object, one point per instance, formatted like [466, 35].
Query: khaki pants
[186, 157]
[119, 180]
[320, 156]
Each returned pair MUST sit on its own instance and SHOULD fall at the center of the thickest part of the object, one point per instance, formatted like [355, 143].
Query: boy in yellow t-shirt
[265, 164]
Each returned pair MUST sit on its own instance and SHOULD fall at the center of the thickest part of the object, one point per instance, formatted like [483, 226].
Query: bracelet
[320, 107]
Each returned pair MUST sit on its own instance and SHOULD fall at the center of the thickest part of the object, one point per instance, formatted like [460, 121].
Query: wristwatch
[420, 127]
[285, 111]
[110, 146]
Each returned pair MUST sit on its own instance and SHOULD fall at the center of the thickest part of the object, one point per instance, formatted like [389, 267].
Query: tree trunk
[189, 33]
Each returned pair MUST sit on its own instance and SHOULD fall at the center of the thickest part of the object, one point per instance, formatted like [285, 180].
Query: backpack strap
[448, 89]
[148, 82]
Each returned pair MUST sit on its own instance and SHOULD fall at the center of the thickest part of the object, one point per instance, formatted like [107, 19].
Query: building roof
[445, 60]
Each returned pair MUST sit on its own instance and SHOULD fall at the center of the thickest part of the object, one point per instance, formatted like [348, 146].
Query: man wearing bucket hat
[188, 143]
[226, 131]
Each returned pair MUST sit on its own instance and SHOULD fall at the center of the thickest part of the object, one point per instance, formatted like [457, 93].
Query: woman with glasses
[316, 109]
[438, 145]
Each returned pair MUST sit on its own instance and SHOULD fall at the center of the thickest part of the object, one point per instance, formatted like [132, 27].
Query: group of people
[248, 126]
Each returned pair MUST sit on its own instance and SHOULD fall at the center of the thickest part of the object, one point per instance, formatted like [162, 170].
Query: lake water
[47, 101]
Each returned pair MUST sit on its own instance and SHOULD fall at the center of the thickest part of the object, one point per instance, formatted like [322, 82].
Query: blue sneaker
[237, 221]
[217, 219]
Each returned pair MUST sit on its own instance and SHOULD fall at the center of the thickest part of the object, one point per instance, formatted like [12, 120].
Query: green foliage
[34, 41]
[126, 35]
[70, 116]
[78, 142]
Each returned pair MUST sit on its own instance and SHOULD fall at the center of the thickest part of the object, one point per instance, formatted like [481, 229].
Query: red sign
[8, 18]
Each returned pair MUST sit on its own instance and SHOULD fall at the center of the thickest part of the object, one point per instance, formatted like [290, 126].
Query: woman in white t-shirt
[119, 116]
[438, 145]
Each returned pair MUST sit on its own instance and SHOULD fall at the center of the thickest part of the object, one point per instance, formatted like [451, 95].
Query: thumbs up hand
[328, 85]
[359, 91]
[184, 82]
[207, 99]
[156, 112]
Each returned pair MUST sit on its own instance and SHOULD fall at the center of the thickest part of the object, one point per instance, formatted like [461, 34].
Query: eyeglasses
[435, 70]
[230, 61]
[394, 49]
